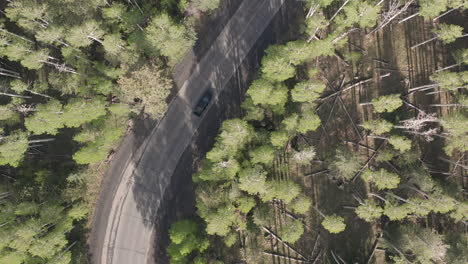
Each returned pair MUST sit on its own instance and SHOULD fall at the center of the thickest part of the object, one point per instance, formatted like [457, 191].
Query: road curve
[124, 232]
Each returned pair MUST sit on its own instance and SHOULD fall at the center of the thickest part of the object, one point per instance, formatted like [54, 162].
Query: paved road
[124, 232]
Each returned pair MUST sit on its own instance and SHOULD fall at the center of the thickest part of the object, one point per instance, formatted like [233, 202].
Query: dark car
[203, 103]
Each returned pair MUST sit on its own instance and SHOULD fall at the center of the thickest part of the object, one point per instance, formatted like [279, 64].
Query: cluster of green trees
[71, 75]
[237, 187]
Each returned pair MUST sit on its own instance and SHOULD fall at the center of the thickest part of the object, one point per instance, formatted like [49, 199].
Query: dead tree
[393, 12]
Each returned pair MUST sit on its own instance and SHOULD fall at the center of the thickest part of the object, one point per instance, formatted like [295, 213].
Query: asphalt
[124, 227]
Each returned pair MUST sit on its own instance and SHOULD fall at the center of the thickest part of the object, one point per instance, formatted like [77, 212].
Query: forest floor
[388, 65]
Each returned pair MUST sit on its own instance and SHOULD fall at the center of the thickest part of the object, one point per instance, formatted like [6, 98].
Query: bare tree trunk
[446, 68]
[316, 173]
[319, 212]
[359, 48]
[453, 163]
[424, 42]
[345, 34]
[41, 140]
[312, 10]
[446, 12]
[345, 89]
[7, 176]
[367, 162]
[424, 87]
[390, 19]
[315, 245]
[282, 242]
[350, 118]
[448, 105]
[284, 257]
[18, 36]
[378, 196]
[338, 11]
[40, 94]
[9, 75]
[408, 17]
[16, 95]
[9, 71]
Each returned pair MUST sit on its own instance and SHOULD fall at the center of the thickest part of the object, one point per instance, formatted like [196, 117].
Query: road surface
[123, 232]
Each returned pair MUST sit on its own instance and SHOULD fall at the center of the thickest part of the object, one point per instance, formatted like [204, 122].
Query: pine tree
[387, 103]
[275, 65]
[185, 239]
[253, 180]
[307, 91]
[279, 138]
[381, 178]
[171, 39]
[13, 148]
[301, 204]
[448, 33]
[345, 164]
[378, 126]
[334, 224]
[369, 211]
[235, 134]
[292, 231]
[450, 81]
[263, 154]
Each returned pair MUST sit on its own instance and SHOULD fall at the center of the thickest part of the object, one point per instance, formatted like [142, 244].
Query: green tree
[381, 178]
[265, 92]
[387, 103]
[254, 112]
[308, 121]
[304, 156]
[279, 138]
[455, 124]
[84, 34]
[448, 33]
[282, 190]
[291, 232]
[275, 65]
[307, 91]
[171, 39]
[263, 154]
[246, 204]
[253, 180]
[432, 8]
[369, 211]
[424, 245]
[13, 147]
[345, 164]
[334, 224]
[301, 204]
[396, 212]
[400, 143]
[220, 221]
[450, 81]
[99, 137]
[50, 117]
[378, 126]
[185, 238]
[235, 134]
[207, 5]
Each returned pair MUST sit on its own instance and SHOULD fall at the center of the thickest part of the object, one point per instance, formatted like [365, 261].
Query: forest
[73, 76]
[351, 146]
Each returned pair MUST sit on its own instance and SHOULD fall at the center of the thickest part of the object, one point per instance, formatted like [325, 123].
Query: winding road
[124, 224]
